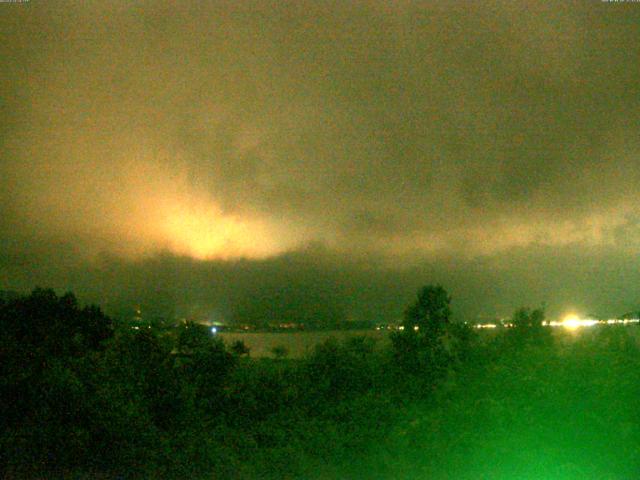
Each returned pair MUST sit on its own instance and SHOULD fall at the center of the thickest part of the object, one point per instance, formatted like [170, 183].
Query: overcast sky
[306, 158]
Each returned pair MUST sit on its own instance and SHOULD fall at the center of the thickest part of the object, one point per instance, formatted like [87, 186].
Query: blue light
[214, 330]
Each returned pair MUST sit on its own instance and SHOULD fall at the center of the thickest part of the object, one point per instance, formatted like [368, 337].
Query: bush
[338, 371]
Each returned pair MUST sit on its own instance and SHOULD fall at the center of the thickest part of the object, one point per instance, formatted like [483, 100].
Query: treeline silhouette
[86, 396]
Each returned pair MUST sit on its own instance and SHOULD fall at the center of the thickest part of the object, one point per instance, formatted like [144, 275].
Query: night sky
[311, 160]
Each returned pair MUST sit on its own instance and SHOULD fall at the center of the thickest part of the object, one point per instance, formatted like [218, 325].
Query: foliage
[203, 365]
[525, 317]
[338, 371]
[559, 409]
[421, 348]
[240, 348]
[49, 326]
[430, 312]
[81, 399]
[280, 351]
[528, 326]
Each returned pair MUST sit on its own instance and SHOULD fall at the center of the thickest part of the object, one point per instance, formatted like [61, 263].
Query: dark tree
[528, 326]
[45, 343]
[337, 371]
[240, 348]
[280, 351]
[45, 324]
[525, 317]
[419, 349]
[193, 337]
[430, 312]
[204, 365]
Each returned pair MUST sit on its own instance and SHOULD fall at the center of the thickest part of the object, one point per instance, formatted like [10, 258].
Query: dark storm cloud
[316, 286]
[401, 134]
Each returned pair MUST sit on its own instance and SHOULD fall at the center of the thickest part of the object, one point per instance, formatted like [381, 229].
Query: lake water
[298, 344]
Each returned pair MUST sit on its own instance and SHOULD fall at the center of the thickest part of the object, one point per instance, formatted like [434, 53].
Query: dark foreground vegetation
[82, 396]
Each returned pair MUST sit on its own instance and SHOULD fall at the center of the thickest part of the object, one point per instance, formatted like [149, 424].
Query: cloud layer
[404, 134]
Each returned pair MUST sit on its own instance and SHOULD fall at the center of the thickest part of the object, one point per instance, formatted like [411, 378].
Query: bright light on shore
[572, 322]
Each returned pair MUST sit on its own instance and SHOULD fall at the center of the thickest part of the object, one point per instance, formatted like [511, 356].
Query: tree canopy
[431, 311]
[527, 317]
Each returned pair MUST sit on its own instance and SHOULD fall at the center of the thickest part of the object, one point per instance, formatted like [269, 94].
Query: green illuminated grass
[563, 411]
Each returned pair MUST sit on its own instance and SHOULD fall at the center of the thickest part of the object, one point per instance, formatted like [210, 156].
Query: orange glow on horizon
[203, 231]
[167, 211]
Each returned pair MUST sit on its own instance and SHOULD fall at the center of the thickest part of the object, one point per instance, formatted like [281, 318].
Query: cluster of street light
[570, 322]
